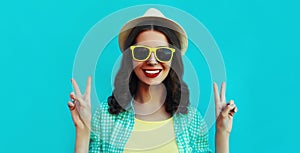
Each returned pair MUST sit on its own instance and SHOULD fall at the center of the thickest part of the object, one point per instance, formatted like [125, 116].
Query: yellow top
[152, 136]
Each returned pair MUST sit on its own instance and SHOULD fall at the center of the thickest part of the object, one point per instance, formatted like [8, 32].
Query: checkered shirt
[111, 132]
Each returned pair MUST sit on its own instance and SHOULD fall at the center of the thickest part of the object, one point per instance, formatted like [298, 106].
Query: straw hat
[154, 16]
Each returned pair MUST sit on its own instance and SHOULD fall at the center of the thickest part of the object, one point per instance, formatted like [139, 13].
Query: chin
[153, 83]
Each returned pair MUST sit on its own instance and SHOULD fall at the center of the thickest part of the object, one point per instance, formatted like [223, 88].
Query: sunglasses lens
[141, 53]
[164, 54]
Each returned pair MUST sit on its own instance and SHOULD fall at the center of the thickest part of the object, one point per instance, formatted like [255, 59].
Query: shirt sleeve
[199, 133]
[95, 145]
[95, 141]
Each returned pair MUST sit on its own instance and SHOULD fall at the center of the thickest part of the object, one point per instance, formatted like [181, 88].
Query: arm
[80, 108]
[224, 115]
[222, 142]
[82, 140]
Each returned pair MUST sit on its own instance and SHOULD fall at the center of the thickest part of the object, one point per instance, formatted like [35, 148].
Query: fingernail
[72, 95]
[235, 109]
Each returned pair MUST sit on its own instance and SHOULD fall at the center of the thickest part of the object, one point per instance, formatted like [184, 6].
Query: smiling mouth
[152, 73]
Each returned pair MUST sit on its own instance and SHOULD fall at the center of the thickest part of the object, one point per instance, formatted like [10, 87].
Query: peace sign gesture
[80, 106]
[224, 111]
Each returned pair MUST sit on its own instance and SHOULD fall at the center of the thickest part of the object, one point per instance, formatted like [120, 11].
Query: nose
[152, 60]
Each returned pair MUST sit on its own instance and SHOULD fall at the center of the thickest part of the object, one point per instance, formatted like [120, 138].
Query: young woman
[149, 110]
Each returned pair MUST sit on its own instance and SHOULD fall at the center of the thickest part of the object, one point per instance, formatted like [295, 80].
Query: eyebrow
[155, 47]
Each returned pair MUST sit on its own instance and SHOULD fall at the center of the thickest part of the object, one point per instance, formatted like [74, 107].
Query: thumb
[230, 106]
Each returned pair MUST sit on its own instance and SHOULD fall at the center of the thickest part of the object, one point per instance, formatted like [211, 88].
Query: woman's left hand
[224, 111]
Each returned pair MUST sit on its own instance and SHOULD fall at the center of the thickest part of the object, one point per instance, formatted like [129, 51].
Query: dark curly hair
[126, 81]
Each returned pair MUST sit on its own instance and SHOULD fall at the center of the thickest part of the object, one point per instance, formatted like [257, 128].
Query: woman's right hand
[80, 107]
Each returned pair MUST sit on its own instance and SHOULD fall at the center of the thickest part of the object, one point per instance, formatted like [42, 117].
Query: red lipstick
[152, 73]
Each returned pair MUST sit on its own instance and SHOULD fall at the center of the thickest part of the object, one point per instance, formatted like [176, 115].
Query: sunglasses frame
[151, 49]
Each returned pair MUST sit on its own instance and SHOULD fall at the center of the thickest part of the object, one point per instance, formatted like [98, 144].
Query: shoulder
[195, 118]
[192, 119]
[197, 124]
[194, 113]
[99, 114]
[100, 110]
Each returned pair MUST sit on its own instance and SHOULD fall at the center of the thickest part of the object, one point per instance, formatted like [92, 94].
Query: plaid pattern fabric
[110, 133]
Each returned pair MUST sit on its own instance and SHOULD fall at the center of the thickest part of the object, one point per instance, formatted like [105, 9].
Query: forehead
[152, 38]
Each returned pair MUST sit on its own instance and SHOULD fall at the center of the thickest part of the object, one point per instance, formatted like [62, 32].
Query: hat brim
[161, 21]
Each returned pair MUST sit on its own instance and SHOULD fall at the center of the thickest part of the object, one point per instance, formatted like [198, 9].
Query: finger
[72, 96]
[74, 112]
[80, 102]
[216, 92]
[88, 86]
[235, 109]
[227, 110]
[223, 92]
[230, 115]
[217, 99]
[230, 102]
[76, 88]
[71, 106]
[75, 99]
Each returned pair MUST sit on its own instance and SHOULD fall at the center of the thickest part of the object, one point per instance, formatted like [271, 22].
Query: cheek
[136, 64]
[167, 66]
[137, 67]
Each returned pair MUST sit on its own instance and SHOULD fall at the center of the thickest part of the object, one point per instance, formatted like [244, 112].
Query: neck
[149, 102]
[154, 94]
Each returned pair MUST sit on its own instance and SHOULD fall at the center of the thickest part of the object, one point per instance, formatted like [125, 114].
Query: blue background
[258, 40]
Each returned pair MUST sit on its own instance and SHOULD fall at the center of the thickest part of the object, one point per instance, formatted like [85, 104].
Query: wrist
[222, 132]
[84, 133]
[222, 141]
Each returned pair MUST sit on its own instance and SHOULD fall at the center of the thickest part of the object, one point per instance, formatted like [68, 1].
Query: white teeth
[152, 72]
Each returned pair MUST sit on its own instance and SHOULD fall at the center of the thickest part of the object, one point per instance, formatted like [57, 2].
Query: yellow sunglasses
[142, 53]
